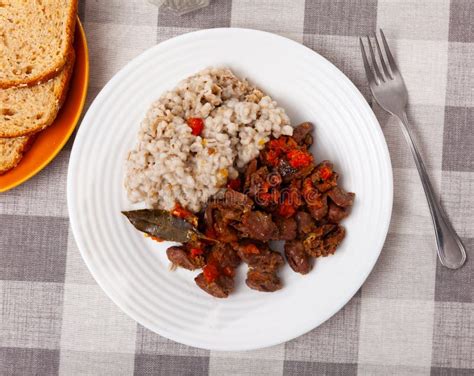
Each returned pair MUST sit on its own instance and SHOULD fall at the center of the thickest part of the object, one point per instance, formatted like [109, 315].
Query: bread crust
[54, 69]
[12, 151]
[60, 89]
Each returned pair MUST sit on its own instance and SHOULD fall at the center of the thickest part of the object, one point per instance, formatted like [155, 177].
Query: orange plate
[50, 141]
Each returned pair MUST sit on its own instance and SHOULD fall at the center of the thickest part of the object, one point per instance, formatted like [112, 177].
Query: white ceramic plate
[133, 271]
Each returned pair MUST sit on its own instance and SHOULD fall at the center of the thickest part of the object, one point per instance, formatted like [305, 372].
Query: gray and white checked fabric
[412, 316]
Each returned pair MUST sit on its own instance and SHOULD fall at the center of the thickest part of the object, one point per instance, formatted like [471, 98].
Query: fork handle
[451, 251]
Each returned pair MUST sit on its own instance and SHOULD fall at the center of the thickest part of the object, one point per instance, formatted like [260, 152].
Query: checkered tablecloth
[411, 317]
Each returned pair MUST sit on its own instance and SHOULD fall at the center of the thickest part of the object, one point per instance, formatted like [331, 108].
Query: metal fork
[390, 92]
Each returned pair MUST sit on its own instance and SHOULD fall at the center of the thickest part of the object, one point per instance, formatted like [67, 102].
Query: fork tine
[391, 60]
[374, 62]
[382, 59]
[368, 71]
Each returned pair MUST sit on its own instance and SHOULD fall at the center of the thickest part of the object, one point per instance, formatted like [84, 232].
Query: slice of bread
[35, 39]
[12, 150]
[27, 110]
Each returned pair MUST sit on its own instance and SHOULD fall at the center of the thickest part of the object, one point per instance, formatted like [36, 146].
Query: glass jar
[181, 6]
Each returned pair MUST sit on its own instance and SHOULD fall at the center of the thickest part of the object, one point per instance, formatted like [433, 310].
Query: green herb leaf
[163, 225]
